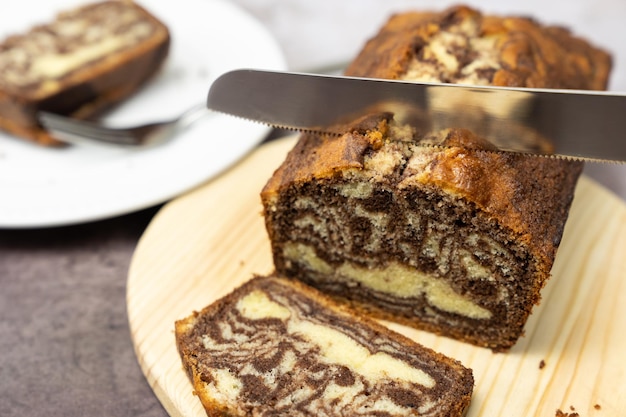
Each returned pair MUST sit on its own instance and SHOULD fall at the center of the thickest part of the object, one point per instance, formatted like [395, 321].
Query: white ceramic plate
[42, 187]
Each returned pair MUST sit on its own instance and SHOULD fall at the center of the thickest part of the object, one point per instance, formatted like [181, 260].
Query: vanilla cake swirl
[276, 347]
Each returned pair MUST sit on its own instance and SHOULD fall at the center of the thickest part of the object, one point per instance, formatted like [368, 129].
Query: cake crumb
[597, 407]
[560, 413]
[542, 364]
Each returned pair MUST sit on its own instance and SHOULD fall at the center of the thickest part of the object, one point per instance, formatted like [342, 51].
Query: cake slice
[276, 347]
[80, 64]
[457, 240]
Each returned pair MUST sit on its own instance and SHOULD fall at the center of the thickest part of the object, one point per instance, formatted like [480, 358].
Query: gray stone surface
[64, 337]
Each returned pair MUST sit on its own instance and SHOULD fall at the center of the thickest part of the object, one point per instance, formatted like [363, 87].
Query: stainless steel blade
[578, 124]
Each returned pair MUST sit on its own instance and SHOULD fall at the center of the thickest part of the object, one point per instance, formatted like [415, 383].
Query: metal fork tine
[84, 132]
[55, 122]
[79, 132]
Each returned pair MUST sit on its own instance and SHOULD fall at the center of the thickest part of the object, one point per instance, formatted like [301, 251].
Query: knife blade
[579, 124]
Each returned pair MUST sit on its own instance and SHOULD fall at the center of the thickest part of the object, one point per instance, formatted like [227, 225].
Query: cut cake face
[278, 347]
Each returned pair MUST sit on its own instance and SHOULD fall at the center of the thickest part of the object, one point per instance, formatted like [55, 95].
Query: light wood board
[200, 246]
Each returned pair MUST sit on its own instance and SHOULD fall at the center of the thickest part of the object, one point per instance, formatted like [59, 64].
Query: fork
[82, 132]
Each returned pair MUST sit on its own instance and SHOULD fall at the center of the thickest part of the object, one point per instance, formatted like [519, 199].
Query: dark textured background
[65, 347]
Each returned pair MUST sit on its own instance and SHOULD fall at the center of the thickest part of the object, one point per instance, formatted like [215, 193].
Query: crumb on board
[542, 364]
[560, 413]
[573, 413]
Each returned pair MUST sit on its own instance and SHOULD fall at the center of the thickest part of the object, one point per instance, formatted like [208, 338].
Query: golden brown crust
[82, 92]
[530, 55]
[318, 156]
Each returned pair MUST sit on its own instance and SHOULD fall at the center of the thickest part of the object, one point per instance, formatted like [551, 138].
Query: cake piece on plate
[279, 347]
[457, 240]
[86, 60]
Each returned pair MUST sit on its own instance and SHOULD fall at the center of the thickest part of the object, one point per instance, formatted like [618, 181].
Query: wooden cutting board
[573, 357]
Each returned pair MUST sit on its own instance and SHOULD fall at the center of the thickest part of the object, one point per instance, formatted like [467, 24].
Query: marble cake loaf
[277, 347]
[80, 64]
[456, 240]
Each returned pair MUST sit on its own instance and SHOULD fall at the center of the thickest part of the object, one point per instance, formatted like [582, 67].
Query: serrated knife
[579, 124]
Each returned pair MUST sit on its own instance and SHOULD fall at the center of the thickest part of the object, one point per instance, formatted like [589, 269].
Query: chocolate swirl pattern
[277, 347]
[412, 233]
